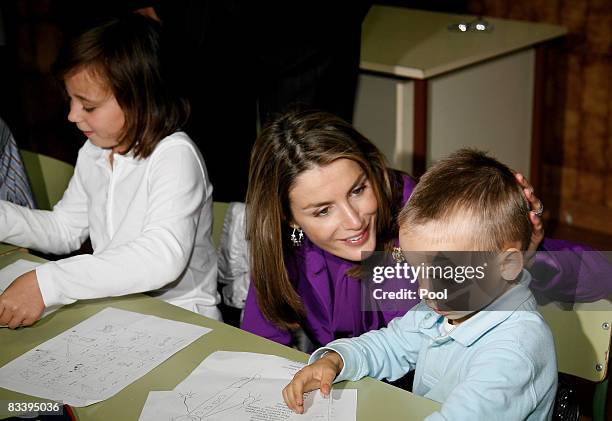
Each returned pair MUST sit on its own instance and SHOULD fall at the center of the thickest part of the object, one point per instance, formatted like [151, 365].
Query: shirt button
[427, 316]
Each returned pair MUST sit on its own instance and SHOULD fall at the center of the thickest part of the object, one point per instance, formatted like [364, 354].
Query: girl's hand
[535, 216]
[318, 375]
[21, 304]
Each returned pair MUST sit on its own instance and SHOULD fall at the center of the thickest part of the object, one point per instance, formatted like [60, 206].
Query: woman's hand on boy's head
[537, 233]
[318, 375]
[21, 304]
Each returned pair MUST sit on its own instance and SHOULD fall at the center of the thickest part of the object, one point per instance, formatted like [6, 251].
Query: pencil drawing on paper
[97, 358]
[237, 400]
[243, 386]
[236, 395]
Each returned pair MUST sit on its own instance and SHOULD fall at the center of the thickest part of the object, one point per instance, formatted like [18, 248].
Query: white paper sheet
[9, 273]
[245, 386]
[98, 357]
[14, 270]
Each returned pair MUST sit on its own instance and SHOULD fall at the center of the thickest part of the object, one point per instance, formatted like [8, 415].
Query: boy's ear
[511, 264]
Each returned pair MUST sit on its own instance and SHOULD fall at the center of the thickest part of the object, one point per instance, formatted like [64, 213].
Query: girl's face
[94, 109]
[336, 207]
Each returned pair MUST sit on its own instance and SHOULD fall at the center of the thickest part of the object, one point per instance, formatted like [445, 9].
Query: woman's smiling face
[336, 207]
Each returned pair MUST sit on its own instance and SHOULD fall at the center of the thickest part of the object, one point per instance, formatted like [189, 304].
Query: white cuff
[48, 286]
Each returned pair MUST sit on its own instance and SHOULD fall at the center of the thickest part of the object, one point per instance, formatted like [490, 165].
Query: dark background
[577, 138]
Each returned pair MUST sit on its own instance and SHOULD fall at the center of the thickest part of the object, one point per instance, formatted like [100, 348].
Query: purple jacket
[332, 299]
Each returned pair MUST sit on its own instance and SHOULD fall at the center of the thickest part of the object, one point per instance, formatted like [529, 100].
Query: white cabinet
[425, 91]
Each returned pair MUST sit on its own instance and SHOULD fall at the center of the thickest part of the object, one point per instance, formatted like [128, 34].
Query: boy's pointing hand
[318, 375]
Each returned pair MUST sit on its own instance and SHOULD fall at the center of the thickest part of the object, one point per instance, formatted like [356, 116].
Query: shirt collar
[100, 155]
[495, 313]
[486, 319]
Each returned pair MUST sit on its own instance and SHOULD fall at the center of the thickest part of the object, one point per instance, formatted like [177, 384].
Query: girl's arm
[177, 192]
[59, 231]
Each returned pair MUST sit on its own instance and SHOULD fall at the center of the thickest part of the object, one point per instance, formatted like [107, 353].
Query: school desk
[7, 248]
[376, 400]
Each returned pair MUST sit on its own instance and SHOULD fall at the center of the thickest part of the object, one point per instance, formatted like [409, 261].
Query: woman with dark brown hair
[140, 189]
[320, 199]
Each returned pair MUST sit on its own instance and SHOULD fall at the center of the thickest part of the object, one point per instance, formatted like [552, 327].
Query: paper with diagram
[95, 359]
[244, 386]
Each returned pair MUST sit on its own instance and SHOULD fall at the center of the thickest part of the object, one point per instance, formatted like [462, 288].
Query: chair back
[219, 209]
[48, 177]
[582, 338]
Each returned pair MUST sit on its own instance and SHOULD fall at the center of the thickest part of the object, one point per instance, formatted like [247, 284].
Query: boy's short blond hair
[485, 190]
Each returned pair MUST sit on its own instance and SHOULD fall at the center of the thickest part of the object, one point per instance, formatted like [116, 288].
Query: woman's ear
[511, 264]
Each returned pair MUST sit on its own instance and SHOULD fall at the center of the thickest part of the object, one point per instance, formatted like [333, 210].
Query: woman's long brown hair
[288, 146]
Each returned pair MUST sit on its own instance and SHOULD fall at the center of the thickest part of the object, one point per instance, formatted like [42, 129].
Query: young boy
[494, 359]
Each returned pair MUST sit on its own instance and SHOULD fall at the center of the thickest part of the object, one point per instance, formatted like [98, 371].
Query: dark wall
[577, 155]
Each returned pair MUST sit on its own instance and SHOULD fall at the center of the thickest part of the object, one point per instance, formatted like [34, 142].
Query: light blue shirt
[500, 363]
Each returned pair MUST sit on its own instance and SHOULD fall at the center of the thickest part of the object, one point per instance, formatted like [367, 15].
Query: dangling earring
[398, 255]
[297, 239]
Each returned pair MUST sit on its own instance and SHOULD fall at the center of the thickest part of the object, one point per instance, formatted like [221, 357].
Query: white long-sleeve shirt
[149, 221]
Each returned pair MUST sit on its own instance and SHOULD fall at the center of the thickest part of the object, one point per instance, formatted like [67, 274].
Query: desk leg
[419, 159]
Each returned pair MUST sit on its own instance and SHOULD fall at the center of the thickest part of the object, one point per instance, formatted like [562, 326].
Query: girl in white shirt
[140, 189]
